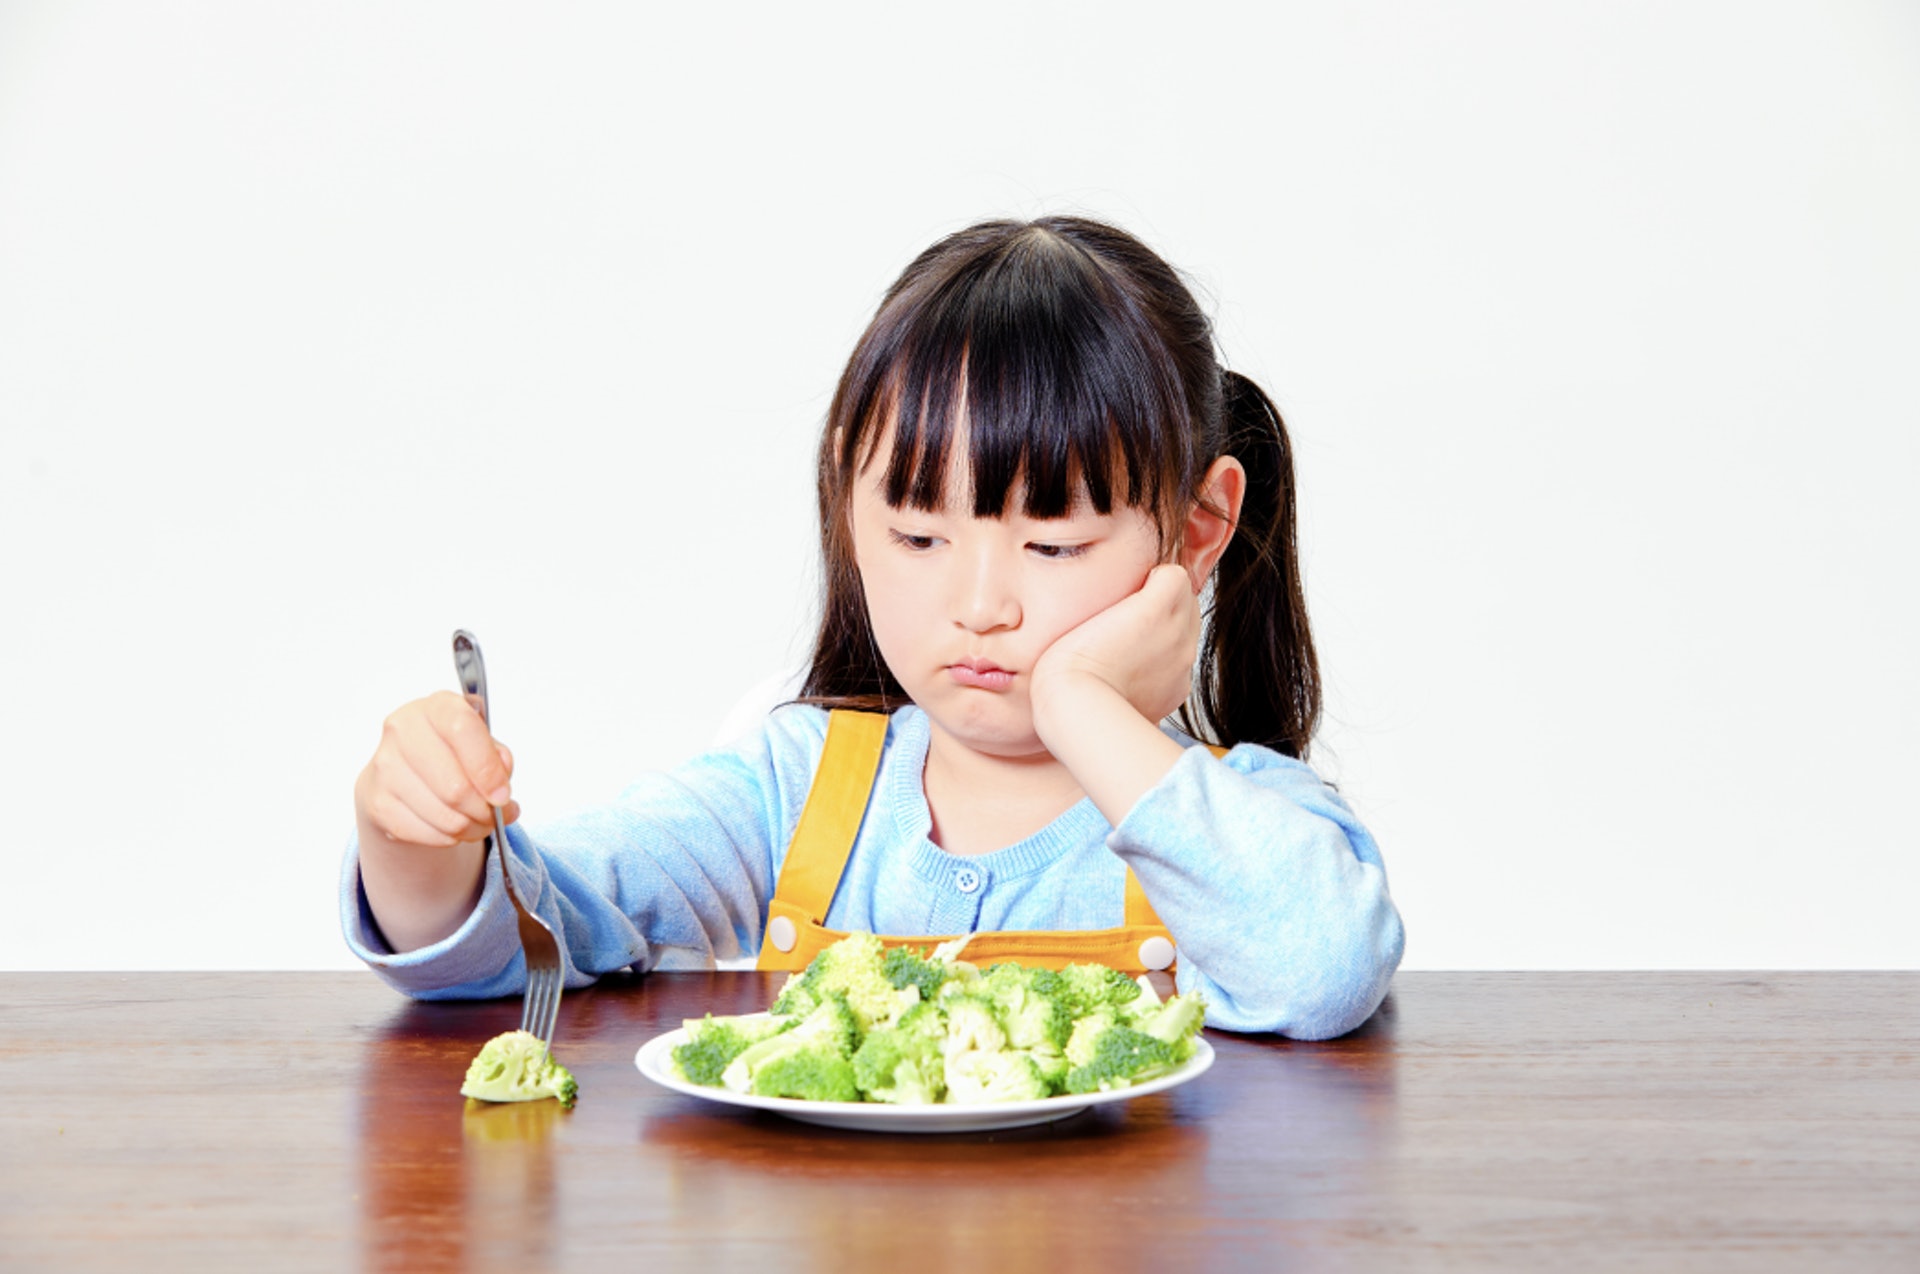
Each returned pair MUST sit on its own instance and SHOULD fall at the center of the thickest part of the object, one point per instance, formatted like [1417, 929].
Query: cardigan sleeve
[1275, 894]
[673, 874]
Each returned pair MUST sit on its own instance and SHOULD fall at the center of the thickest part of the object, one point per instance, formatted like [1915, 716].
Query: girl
[1033, 472]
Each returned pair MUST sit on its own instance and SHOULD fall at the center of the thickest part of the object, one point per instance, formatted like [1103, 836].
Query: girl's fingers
[391, 817]
[406, 785]
[427, 741]
[480, 757]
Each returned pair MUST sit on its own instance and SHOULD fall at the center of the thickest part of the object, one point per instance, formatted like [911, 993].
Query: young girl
[1049, 520]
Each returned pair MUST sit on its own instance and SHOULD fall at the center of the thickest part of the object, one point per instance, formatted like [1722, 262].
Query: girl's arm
[1275, 894]
[675, 872]
[422, 808]
[1100, 691]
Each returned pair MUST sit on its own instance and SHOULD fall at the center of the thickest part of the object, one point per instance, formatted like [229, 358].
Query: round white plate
[655, 1060]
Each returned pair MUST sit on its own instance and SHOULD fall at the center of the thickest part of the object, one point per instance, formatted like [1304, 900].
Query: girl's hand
[435, 777]
[1141, 648]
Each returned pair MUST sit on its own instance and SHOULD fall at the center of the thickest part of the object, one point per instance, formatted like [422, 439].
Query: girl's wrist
[1112, 750]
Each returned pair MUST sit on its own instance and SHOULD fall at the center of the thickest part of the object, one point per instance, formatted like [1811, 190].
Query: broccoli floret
[1086, 1036]
[1033, 1008]
[518, 1067]
[713, 1042]
[1121, 1056]
[905, 968]
[1053, 1065]
[1089, 988]
[829, 1031]
[854, 968]
[1147, 1001]
[796, 998]
[977, 1076]
[1175, 1022]
[815, 1073]
[972, 1026]
[901, 1062]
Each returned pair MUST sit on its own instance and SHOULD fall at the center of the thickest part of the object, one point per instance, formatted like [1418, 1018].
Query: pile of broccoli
[864, 1023]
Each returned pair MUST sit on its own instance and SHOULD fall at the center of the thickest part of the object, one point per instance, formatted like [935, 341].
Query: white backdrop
[326, 329]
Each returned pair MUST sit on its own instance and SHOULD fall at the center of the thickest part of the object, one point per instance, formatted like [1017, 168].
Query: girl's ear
[1211, 521]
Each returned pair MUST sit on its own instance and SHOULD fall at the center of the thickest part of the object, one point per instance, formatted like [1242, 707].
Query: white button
[782, 933]
[966, 880]
[1156, 953]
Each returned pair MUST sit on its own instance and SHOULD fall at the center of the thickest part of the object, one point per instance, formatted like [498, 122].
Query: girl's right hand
[435, 776]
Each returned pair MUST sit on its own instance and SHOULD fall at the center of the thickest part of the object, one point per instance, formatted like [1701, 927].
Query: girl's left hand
[1142, 648]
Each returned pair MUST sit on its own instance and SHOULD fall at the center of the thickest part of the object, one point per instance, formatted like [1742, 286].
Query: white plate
[655, 1060]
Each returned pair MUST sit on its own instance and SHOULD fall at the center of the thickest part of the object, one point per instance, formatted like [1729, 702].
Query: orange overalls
[824, 838]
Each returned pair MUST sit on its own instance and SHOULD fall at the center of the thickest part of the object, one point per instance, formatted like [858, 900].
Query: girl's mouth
[980, 674]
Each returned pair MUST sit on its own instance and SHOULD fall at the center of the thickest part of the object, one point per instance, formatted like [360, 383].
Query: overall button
[782, 934]
[1156, 953]
[967, 880]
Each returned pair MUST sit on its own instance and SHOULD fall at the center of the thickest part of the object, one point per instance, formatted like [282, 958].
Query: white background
[326, 329]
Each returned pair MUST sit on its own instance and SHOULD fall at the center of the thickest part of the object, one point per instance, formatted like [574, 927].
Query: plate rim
[884, 1116]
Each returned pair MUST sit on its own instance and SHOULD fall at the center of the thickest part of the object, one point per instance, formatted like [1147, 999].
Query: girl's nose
[985, 599]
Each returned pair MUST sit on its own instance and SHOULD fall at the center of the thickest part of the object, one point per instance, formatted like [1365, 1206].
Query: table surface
[312, 1120]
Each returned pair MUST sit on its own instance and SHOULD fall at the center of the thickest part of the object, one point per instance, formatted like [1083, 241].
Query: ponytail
[1258, 679]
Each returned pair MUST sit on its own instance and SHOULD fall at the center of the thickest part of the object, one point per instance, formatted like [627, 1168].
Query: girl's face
[962, 607]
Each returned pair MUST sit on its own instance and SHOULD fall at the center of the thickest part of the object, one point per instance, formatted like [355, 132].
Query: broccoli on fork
[517, 1066]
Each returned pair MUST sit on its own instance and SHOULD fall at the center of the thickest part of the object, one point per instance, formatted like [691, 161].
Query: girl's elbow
[1363, 971]
[1333, 986]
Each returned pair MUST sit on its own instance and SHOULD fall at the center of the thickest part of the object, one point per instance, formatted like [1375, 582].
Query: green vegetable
[855, 969]
[713, 1042]
[902, 1062]
[862, 1023]
[1119, 1056]
[518, 1067]
[809, 1060]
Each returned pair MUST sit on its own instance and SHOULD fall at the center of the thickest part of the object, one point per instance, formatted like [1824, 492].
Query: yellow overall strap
[823, 840]
[830, 820]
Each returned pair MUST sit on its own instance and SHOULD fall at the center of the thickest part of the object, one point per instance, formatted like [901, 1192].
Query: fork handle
[471, 668]
[472, 671]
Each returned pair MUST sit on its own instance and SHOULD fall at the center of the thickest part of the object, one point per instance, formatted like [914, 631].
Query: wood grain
[292, 1121]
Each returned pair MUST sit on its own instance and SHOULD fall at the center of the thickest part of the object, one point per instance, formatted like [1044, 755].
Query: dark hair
[1083, 362]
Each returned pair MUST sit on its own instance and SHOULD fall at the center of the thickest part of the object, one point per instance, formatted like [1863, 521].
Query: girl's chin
[1007, 738]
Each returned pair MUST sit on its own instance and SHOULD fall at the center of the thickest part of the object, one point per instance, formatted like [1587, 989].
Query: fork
[540, 1004]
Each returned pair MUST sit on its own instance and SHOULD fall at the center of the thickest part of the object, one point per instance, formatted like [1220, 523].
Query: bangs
[1057, 380]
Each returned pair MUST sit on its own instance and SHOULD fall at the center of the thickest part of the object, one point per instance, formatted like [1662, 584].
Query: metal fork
[540, 1005]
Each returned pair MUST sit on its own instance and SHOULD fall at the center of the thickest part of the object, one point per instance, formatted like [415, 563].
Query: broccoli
[1086, 1036]
[815, 1073]
[905, 968]
[855, 969]
[1089, 988]
[864, 1023]
[972, 1026]
[977, 1076]
[901, 1062]
[1120, 1056]
[1175, 1022]
[713, 1042]
[1031, 1003]
[518, 1067]
[826, 1037]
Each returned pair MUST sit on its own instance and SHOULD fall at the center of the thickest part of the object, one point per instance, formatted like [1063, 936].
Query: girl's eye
[1057, 551]
[918, 542]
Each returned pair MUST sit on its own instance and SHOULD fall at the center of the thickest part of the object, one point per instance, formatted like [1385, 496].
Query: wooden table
[274, 1121]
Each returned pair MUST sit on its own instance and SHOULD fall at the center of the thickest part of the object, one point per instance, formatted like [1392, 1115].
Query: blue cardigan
[1274, 892]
